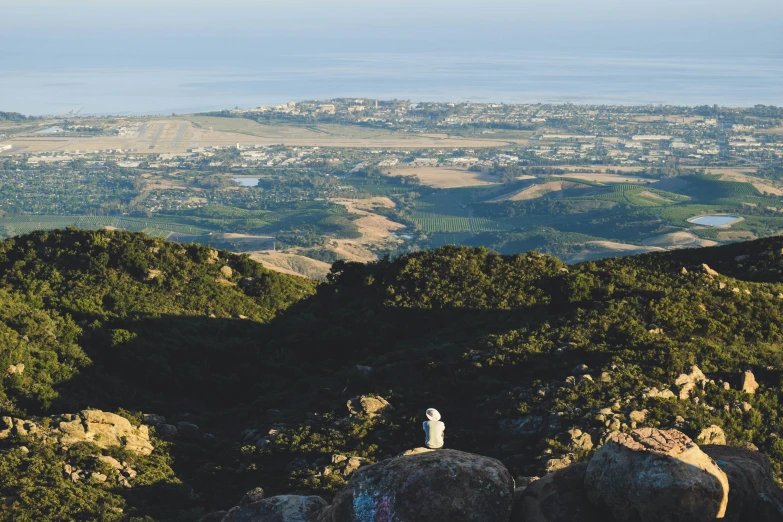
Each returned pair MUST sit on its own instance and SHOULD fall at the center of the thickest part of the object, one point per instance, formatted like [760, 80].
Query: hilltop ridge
[241, 376]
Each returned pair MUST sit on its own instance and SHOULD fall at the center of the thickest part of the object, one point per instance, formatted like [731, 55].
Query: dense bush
[132, 324]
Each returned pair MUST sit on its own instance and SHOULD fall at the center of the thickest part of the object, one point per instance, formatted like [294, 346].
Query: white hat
[433, 415]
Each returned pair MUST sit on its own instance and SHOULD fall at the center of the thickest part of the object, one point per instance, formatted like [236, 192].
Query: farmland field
[638, 196]
[448, 211]
[446, 177]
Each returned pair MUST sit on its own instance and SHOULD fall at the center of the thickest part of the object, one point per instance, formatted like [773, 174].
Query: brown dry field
[447, 177]
[537, 191]
[376, 233]
[746, 175]
[292, 264]
[678, 240]
[652, 195]
[596, 249]
[376, 230]
[736, 235]
[248, 241]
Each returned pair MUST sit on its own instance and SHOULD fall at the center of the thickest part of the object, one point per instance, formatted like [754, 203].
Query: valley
[301, 183]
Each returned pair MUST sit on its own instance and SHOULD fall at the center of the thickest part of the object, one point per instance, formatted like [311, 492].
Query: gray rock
[188, 430]
[753, 493]
[111, 461]
[167, 431]
[655, 475]
[254, 495]
[557, 464]
[370, 406]
[153, 419]
[283, 508]
[638, 416]
[711, 435]
[98, 477]
[440, 486]
[556, 497]
[580, 369]
[216, 516]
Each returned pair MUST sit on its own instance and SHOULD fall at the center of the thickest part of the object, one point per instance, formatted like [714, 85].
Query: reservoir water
[713, 221]
[246, 182]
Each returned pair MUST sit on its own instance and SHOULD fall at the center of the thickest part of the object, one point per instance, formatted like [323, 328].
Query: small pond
[247, 182]
[51, 130]
[713, 221]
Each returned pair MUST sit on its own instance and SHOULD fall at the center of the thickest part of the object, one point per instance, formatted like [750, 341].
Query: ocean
[621, 78]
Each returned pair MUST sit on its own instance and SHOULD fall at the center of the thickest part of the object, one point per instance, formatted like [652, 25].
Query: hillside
[269, 380]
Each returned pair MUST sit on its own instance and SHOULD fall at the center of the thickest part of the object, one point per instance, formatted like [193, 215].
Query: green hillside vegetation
[489, 340]
[14, 116]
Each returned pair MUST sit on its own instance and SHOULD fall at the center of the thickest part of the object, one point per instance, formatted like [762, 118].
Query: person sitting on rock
[433, 430]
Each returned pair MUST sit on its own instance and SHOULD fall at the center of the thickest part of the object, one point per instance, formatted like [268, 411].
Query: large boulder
[439, 486]
[712, 435]
[749, 384]
[753, 494]
[283, 508]
[557, 497]
[370, 406]
[653, 475]
[687, 382]
[108, 430]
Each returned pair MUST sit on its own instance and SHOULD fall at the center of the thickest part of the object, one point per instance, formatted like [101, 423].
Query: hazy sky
[128, 33]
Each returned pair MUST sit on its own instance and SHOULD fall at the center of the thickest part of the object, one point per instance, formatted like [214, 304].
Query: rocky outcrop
[577, 440]
[709, 271]
[749, 384]
[655, 393]
[647, 475]
[687, 382]
[283, 508]
[712, 435]
[15, 369]
[344, 466]
[105, 430]
[438, 486]
[556, 497]
[370, 406]
[254, 495]
[655, 475]
[122, 472]
[108, 430]
[753, 494]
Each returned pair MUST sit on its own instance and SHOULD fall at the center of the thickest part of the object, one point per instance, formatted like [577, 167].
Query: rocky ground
[647, 475]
